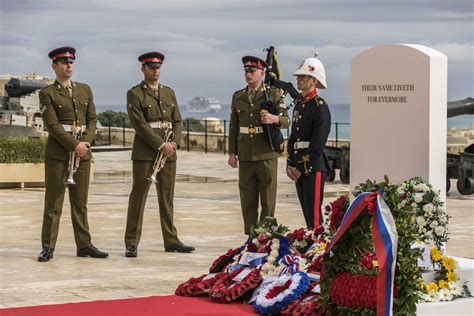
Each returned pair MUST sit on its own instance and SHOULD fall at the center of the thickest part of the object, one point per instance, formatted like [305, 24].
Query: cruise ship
[204, 105]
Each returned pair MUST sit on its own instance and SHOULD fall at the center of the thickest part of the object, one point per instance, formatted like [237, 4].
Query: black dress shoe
[46, 254]
[131, 251]
[92, 252]
[179, 247]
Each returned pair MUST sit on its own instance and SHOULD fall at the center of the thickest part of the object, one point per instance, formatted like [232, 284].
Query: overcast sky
[203, 41]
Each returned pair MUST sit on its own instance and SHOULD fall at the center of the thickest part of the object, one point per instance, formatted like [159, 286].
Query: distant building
[214, 124]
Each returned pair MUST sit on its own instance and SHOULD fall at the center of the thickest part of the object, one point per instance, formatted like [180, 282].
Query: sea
[340, 116]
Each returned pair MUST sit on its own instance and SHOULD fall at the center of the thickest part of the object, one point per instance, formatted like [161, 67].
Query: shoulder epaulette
[319, 101]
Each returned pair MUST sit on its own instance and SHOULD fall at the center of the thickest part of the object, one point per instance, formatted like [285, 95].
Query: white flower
[404, 202]
[456, 288]
[271, 257]
[443, 219]
[434, 224]
[428, 207]
[422, 187]
[413, 204]
[420, 221]
[441, 210]
[439, 230]
[266, 267]
[431, 296]
[432, 242]
[418, 197]
[444, 295]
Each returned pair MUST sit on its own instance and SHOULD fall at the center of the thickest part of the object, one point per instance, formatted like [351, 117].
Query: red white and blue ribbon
[291, 263]
[385, 238]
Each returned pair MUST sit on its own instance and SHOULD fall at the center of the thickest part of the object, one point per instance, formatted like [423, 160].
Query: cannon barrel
[461, 107]
[19, 87]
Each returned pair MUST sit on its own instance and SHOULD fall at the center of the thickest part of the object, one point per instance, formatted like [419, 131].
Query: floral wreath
[220, 263]
[431, 217]
[446, 285]
[281, 292]
[197, 286]
[226, 290]
[306, 304]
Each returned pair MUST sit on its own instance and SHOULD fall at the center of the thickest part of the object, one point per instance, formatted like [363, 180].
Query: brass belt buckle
[165, 125]
[252, 130]
[76, 128]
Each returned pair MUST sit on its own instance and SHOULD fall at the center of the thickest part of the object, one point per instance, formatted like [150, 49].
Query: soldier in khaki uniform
[64, 105]
[248, 145]
[152, 108]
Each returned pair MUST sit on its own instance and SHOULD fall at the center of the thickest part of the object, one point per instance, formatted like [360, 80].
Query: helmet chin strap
[304, 84]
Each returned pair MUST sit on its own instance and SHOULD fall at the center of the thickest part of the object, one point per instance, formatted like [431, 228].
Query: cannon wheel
[344, 175]
[468, 186]
[331, 176]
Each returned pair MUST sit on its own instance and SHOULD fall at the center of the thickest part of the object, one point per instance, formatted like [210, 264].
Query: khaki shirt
[143, 107]
[59, 108]
[246, 113]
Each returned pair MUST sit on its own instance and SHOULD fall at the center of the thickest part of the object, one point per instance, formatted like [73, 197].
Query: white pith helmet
[313, 67]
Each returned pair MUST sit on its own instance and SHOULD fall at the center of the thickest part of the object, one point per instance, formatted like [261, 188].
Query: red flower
[223, 260]
[338, 208]
[318, 231]
[251, 247]
[262, 238]
[366, 261]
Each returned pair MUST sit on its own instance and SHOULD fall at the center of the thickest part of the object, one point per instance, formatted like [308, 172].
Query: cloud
[204, 40]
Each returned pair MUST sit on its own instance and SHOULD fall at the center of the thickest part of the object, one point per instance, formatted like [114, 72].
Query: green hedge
[22, 150]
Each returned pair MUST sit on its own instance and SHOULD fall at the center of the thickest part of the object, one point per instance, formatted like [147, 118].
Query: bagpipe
[272, 79]
[272, 131]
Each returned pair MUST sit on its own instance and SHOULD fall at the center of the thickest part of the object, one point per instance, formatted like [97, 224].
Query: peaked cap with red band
[254, 62]
[152, 59]
[63, 53]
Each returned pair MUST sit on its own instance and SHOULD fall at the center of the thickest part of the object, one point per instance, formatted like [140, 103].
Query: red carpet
[153, 305]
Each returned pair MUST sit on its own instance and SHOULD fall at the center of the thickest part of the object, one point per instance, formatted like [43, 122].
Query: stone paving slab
[207, 215]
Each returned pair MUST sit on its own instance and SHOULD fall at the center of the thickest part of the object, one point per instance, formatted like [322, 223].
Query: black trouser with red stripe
[310, 189]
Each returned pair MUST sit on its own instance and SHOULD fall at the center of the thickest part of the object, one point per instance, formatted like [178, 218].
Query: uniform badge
[296, 116]
[321, 102]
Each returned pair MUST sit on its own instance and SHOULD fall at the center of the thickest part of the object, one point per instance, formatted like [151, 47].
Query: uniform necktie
[69, 89]
[251, 94]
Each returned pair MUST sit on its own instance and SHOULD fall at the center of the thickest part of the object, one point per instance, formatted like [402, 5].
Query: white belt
[68, 128]
[251, 130]
[301, 145]
[161, 124]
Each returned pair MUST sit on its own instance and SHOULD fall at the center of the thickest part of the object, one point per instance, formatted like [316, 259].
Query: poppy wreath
[220, 263]
[226, 290]
[354, 290]
[282, 292]
[198, 286]
[306, 305]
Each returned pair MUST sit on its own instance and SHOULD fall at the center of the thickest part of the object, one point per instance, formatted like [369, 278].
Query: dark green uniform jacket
[144, 106]
[58, 108]
[246, 113]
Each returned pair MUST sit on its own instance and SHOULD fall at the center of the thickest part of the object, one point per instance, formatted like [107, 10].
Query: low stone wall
[197, 140]
[216, 142]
